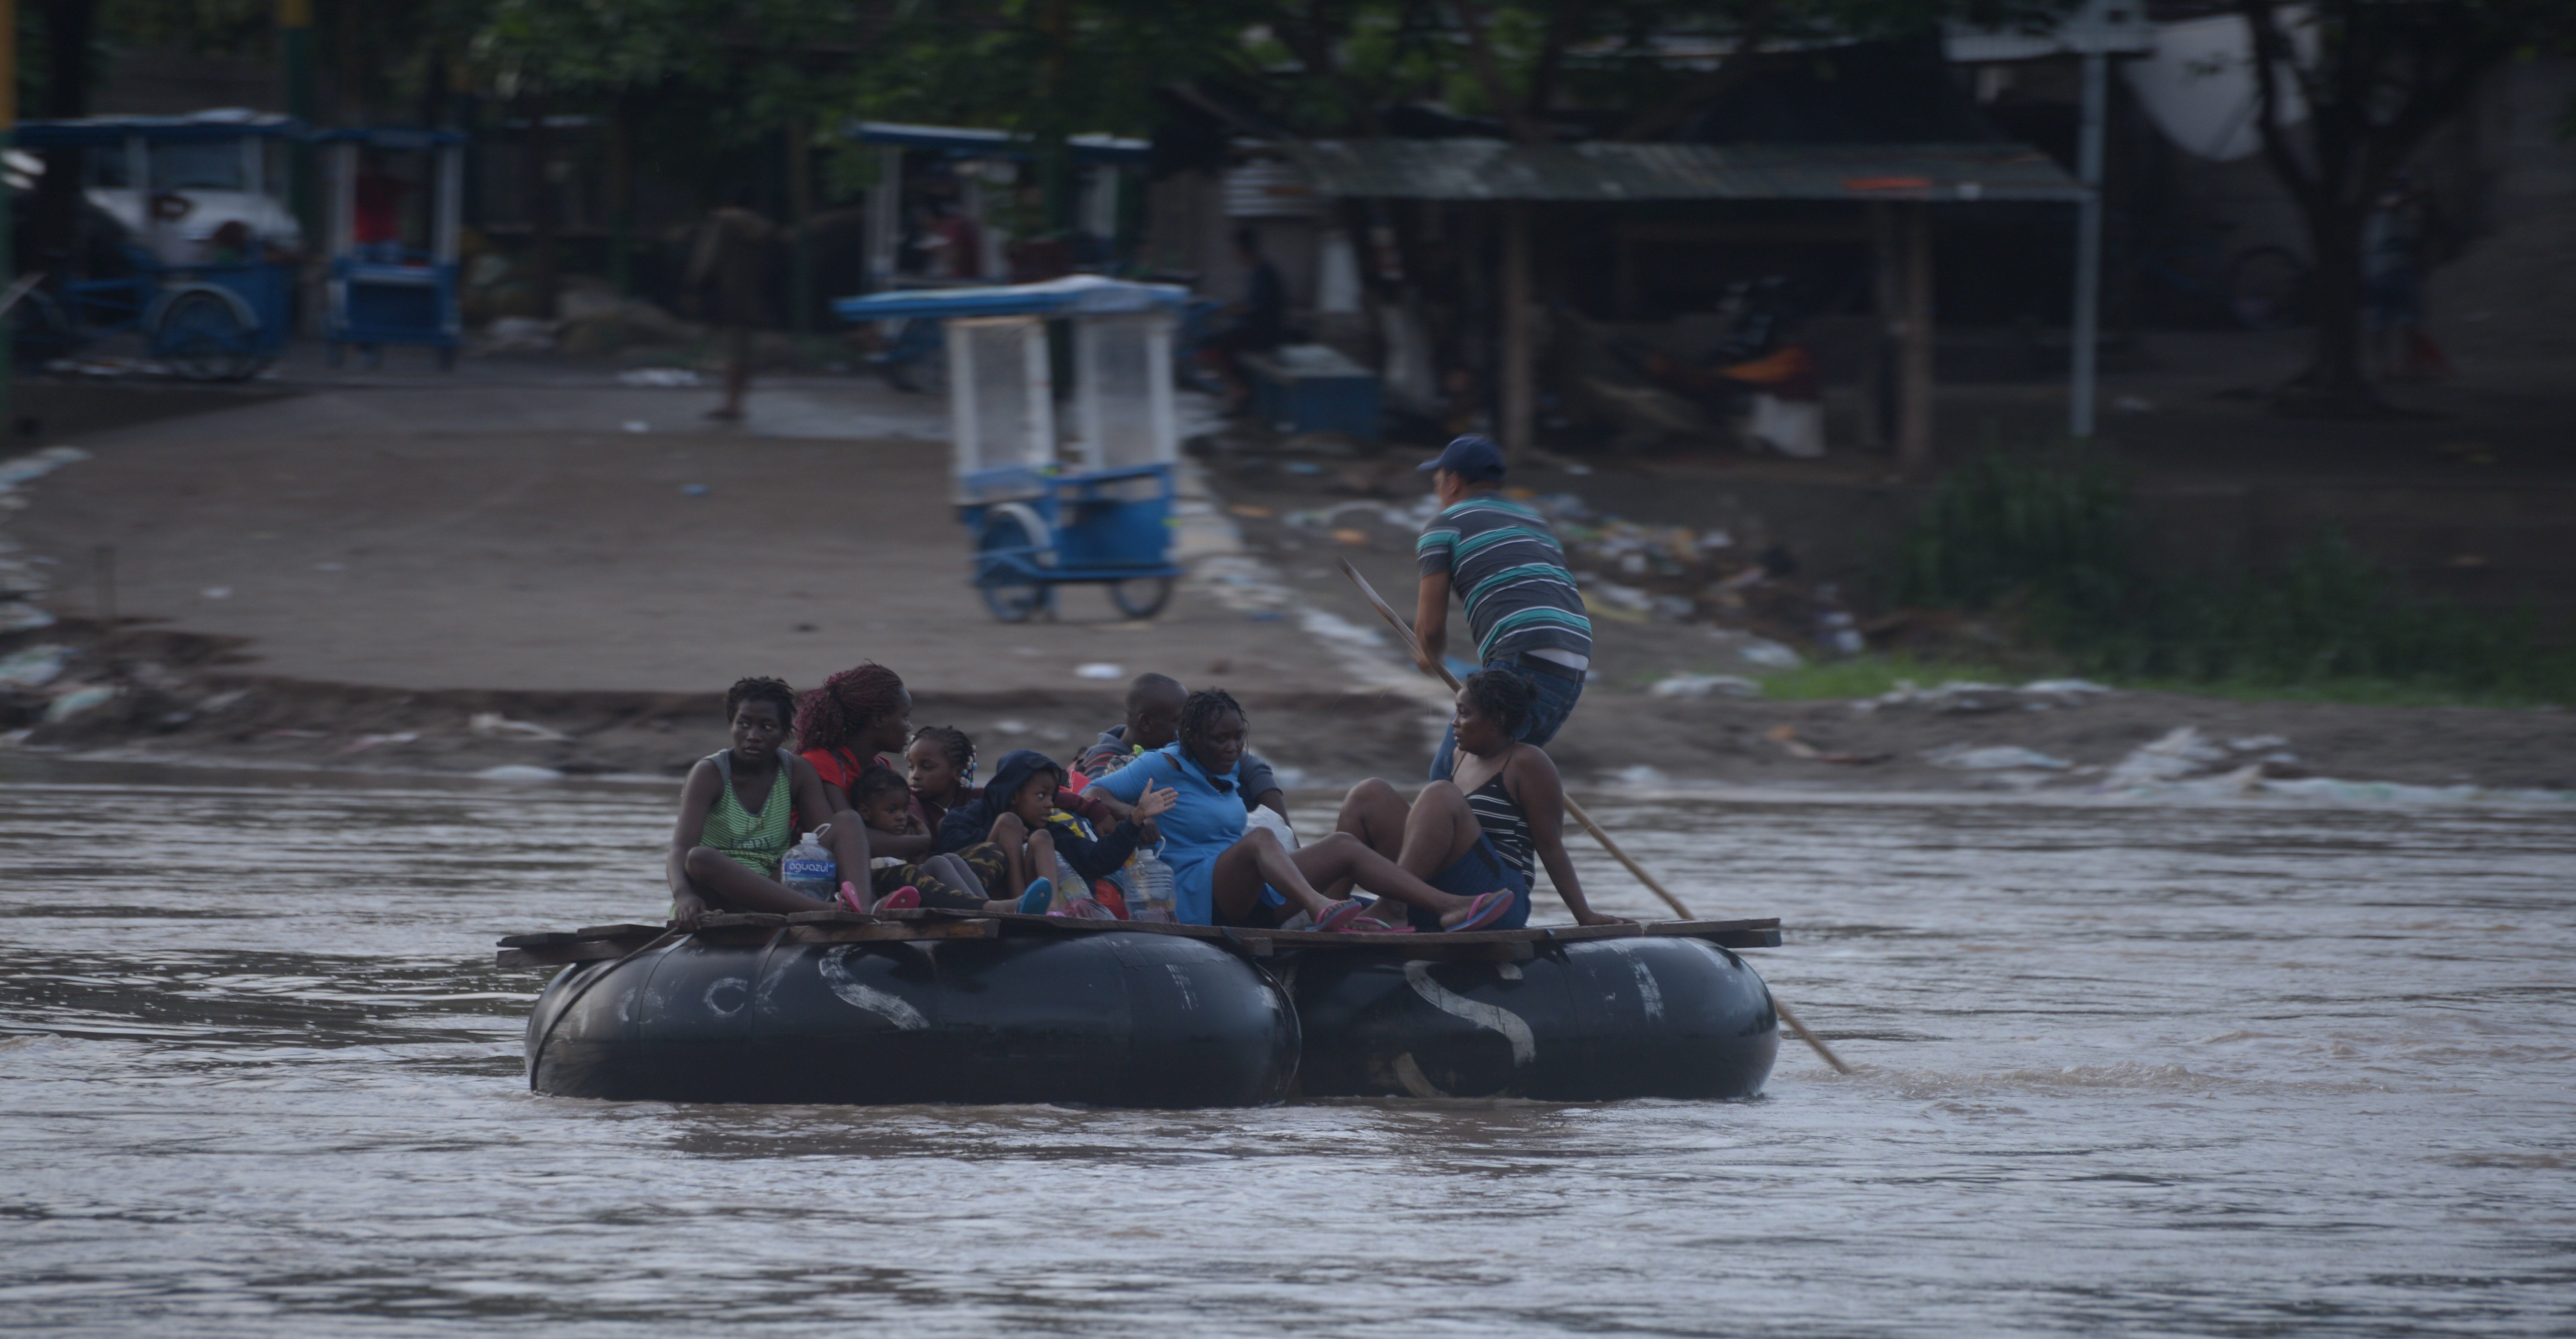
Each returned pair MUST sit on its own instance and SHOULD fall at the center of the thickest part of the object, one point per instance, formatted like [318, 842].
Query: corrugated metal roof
[1602, 171]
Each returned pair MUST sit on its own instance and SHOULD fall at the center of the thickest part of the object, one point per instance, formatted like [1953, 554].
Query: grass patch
[2050, 547]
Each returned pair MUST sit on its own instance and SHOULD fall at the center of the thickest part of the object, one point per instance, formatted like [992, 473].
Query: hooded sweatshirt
[1091, 857]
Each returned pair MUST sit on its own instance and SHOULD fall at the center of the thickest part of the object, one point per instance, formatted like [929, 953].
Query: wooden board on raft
[601, 942]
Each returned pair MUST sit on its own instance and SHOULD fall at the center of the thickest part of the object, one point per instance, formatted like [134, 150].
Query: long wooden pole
[1653, 884]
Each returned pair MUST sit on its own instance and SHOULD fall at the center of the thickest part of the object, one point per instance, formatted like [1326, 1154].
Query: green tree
[2386, 75]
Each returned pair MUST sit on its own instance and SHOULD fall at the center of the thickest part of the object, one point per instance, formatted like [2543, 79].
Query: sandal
[1040, 893]
[1341, 914]
[851, 900]
[1483, 911]
[901, 899]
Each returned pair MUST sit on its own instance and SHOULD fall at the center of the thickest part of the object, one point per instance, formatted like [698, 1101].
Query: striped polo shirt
[1504, 562]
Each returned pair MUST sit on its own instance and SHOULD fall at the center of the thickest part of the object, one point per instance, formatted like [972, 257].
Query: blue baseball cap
[1470, 457]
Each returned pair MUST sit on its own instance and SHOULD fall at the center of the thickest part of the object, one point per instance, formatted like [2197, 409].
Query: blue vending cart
[197, 200]
[382, 291]
[1094, 509]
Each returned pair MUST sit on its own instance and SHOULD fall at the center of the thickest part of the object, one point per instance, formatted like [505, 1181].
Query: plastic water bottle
[1153, 895]
[809, 869]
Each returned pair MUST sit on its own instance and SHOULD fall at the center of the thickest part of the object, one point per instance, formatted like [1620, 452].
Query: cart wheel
[1141, 597]
[1006, 570]
[38, 333]
[203, 339]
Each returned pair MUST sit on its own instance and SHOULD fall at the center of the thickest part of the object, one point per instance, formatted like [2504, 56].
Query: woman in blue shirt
[1222, 875]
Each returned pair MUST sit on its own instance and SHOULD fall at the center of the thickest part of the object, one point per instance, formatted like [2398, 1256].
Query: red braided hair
[847, 703]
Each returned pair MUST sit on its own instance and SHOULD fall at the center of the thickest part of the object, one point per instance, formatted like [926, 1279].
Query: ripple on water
[2122, 1069]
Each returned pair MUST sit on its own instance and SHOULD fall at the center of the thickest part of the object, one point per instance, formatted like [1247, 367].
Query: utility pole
[2088, 245]
[8, 227]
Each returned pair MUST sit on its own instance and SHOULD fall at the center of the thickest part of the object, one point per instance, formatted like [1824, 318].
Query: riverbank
[552, 570]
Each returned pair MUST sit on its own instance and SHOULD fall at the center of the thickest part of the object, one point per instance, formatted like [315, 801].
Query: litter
[34, 667]
[2063, 687]
[1098, 669]
[17, 617]
[637, 425]
[1011, 727]
[1786, 736]
[1639, 775]
[79, 700]
[658, 376]
[1704, 685]
[1994, 758]
[37, 464]
[217, 592]
[365, 742]
[494, 723]
[519, 772]
[693, 490]
[1351, 536]
[2181, 752]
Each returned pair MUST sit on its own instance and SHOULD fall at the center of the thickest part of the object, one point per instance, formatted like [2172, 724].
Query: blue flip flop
[1034, 901]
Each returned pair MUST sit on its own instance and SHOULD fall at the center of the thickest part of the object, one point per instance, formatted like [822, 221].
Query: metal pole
[2088, 245]
[8, 242]
[295, 27]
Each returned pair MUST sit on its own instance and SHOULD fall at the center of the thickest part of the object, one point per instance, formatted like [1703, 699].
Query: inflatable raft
[938, 1007]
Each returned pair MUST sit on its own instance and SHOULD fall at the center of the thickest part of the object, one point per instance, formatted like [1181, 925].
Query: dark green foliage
[2054, 542]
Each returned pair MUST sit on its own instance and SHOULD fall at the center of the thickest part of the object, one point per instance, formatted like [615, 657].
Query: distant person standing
[729, 281]
[1260, 320]
[1508, 569]
[2396, 253]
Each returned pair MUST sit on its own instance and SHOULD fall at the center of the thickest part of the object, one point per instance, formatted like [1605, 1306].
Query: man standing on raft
[1509, 570]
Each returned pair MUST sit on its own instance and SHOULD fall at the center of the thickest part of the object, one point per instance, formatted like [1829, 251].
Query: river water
[2121, 1069]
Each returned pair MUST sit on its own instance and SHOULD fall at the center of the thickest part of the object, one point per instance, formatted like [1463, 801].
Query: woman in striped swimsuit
[1501, 812]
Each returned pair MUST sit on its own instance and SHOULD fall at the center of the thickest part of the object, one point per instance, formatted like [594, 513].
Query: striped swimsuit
[1506, 826]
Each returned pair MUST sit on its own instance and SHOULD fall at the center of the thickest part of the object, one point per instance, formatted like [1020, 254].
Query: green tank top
[756, 842]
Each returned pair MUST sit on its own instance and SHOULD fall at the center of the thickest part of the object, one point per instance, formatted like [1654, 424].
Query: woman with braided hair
[850, 724]
[738, 816]
[1501, 813]
[1223, 875]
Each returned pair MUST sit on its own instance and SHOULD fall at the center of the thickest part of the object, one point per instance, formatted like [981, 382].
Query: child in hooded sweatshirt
[1017, 814]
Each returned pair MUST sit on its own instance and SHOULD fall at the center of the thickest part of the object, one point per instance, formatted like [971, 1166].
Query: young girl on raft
[884, 804]
[1017, 815]
[1222, 875]
[736, 815]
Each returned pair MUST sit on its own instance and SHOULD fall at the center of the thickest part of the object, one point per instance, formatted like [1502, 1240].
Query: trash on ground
[1098, 669]
[1994, 758]
[658, 376]
[494, 723]
[1704, 685]
[78, 700]
[520, 772]
[2181, 752]
[365, 742]
[1786, 736]
[1011, 727]
[34, 667]
[1639, 775]
[217, 592]
[637, 425]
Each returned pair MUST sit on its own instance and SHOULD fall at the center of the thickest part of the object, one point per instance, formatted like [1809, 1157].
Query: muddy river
[2123, 1068]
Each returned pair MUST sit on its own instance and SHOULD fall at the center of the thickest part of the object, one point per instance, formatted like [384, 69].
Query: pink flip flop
[1485, 911]
[1341, 914]
[851, 900]
[901, 899]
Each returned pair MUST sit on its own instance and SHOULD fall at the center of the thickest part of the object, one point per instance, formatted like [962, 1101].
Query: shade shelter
[1099, 156]
[1896, 184]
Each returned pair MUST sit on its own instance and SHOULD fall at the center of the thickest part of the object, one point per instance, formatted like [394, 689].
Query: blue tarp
[1073, 295]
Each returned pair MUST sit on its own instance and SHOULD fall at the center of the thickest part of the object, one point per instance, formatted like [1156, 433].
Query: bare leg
[846, 837]
[1438, 831]
[1258, 859]
[1042, 865]
[728, 886]
[956, 873]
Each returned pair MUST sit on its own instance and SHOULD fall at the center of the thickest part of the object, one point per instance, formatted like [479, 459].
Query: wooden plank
[1699, 929]
[887, 933]
[833, 917]
[587, 950]
[1016, 923]
[618, 931]
[549, 939]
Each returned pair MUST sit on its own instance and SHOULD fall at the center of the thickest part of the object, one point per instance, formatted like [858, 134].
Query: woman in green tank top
[738, 812]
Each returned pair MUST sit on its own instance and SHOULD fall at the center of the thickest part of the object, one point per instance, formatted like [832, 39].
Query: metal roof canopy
[1605, 171]
[201, 128]
[974, 143]
[391, 137]
[1072, 295]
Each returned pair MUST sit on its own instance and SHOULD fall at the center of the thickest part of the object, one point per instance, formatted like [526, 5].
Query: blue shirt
[1207, 819]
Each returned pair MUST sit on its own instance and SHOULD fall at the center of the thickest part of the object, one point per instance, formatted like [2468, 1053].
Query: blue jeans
[1552, 698]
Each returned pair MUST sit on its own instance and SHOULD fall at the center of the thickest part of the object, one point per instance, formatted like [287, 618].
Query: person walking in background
[728, 280]
[1260, 320]
[1509, 571]
[2397, 250]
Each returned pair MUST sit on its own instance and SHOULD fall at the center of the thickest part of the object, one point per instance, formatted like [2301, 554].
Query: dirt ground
[547, 569]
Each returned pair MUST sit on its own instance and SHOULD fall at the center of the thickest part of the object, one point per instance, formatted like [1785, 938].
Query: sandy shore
[561, 572]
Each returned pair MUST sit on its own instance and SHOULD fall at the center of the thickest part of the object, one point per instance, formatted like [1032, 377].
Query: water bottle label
[793, 870]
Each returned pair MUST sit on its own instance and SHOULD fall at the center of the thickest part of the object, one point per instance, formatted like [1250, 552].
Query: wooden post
[1914, 428]
[1519, 400]
[8, 134]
